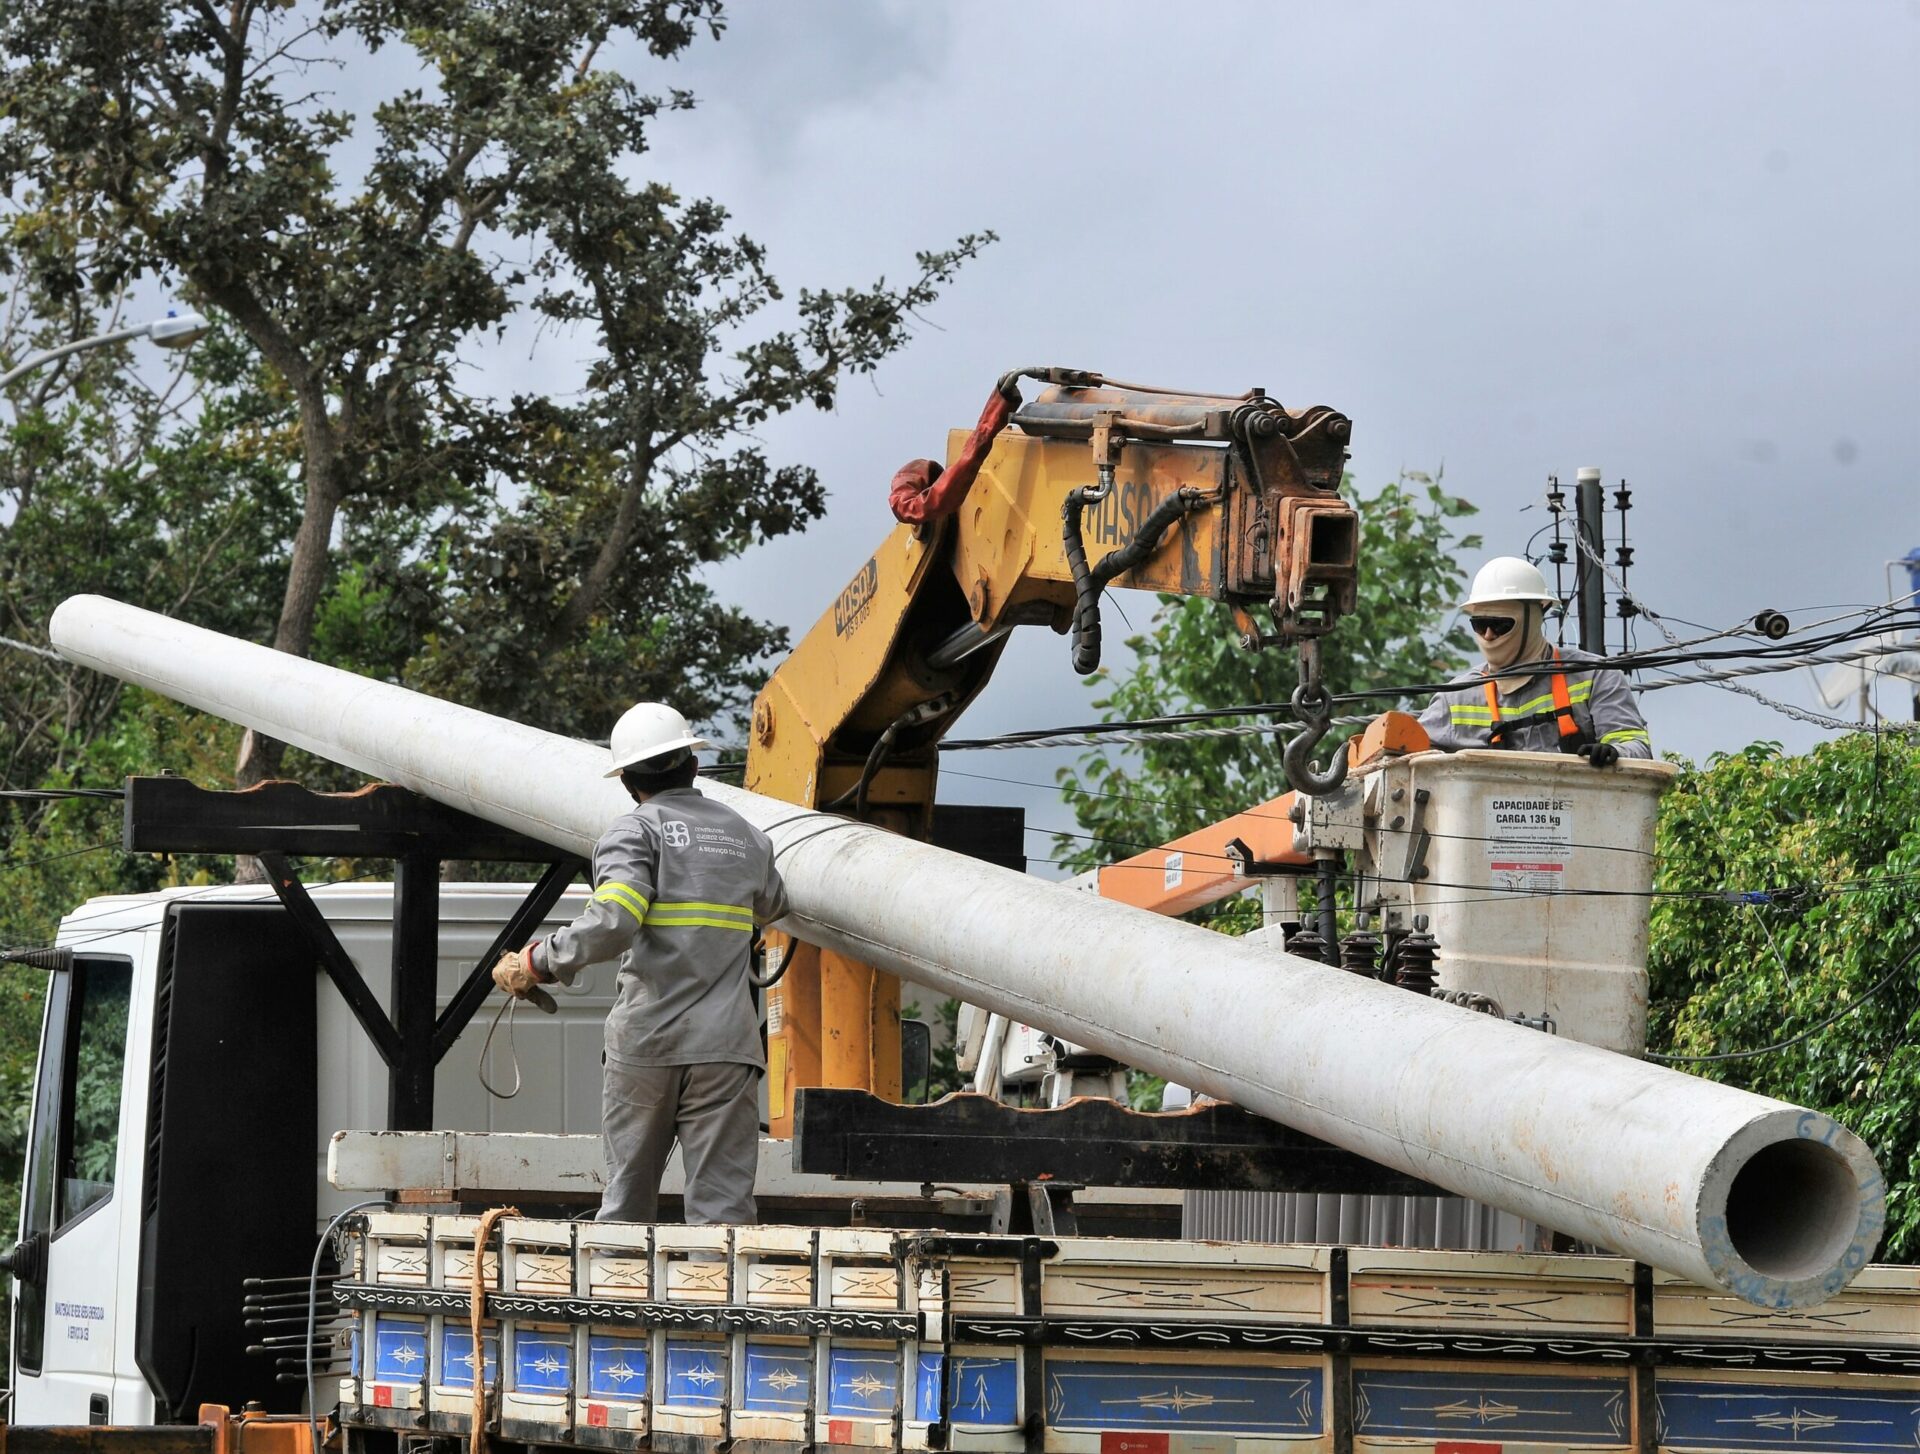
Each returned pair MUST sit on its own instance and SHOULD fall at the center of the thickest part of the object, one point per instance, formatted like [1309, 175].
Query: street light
[176, 330]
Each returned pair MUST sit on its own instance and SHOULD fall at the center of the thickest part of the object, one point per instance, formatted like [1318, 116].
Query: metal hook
[1315, 710]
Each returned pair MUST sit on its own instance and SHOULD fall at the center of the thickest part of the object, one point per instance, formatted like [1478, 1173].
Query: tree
[176, 495]
[1410, 583]
[1786, 897]
[189, 142]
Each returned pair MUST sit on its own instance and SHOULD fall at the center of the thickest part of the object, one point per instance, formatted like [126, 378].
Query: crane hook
[1315, 710]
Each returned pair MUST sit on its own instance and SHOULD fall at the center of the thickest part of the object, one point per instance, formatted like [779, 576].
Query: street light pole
[174, 331]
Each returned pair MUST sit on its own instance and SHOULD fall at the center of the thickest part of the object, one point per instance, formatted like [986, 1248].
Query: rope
[476, 1311]
[509, 1009]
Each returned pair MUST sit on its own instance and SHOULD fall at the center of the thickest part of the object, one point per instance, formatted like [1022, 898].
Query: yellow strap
[626, 897]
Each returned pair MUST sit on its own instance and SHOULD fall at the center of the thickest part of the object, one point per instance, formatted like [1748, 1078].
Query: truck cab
[194, 1064]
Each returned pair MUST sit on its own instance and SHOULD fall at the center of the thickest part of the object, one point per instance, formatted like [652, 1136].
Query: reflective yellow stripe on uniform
[693, 914]
[1626, 734]
[625, 896]
[1576, 692]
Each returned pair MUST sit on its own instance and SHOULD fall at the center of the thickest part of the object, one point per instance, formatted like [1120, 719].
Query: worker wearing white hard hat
[681, 882]
[1528, 695]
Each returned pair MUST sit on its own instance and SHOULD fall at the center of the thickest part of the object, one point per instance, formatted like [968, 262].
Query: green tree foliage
[197, 144]
[1190, 658]
[323, 474]
[1833, 839]
[177, 495]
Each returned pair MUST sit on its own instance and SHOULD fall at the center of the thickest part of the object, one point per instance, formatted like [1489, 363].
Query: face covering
[1526, 642]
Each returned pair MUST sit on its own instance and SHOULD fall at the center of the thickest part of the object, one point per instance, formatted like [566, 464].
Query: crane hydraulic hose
[1089, 582]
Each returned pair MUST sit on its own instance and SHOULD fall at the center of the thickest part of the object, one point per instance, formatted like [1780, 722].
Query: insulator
[1623, 556]
[1557, 552]
[1556, 497]
[1308, 945]
[1414, 960]
[1623, 498]
[1360, 952]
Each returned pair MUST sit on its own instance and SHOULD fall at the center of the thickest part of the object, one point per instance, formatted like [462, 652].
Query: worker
[1571, 706]
[679, 885]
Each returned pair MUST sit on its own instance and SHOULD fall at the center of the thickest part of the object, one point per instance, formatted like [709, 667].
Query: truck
[1678, 1253]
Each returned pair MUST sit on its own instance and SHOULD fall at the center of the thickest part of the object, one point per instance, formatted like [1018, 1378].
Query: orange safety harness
[1562, 705]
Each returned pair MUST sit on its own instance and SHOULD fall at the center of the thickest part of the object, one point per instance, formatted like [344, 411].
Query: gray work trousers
[712, 1110]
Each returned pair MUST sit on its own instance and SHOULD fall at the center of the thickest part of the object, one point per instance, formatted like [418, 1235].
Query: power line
[28, 646]
[57, 857]
[1799, 714]
[1121, 728]
[1800, 1039]
[53, 795]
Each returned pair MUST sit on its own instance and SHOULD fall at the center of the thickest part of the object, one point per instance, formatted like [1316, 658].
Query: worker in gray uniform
[680, 885]
[1571, 705]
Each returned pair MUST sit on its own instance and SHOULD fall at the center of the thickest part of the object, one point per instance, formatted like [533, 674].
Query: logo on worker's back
[675, 833]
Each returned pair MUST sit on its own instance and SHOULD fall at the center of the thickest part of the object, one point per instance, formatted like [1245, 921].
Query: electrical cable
[1858, 657]
[1800, 1039]
[1096, 732]
[28, 646]
[313, 1304]
[6, 863]
[34, 795]
[1799, 714]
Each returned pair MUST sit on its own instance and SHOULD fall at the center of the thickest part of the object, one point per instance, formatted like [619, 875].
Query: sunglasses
[1493, 627]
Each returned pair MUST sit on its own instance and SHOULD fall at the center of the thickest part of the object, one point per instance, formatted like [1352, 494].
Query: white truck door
[64, 1322]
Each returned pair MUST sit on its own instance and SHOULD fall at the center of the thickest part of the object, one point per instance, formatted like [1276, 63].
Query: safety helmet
[651, 730]
[1507, 578]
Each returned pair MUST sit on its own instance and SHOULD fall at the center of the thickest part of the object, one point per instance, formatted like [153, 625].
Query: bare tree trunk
[259, 757]
[572, 620]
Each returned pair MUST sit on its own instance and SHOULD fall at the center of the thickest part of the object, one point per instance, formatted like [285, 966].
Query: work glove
[1601, 754]
[513, 972]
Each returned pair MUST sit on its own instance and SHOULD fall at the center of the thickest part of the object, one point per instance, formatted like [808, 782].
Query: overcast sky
[1676, 241]
[1673, 240]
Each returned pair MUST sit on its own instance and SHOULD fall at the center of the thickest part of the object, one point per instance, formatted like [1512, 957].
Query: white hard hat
[652, 729]
[1507, 578]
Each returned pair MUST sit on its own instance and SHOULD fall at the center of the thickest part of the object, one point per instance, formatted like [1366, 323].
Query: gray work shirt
[1603, 709]
[679, 885]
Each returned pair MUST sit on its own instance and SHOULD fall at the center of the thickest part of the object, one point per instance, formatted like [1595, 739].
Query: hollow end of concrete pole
[1791, 1209]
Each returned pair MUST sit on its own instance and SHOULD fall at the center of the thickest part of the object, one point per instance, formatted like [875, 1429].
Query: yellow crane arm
[1094, 483]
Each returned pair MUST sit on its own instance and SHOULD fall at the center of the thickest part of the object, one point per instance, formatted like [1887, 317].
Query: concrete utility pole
[1776, 1204]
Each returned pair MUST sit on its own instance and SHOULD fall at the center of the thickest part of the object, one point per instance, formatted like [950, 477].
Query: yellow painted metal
[1009, 550]
[871, 657]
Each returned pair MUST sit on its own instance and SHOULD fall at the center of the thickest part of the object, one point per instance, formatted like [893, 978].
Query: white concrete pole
[1777, 1204]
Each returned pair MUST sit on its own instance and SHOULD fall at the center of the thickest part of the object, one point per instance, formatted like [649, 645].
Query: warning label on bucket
[1528, 842]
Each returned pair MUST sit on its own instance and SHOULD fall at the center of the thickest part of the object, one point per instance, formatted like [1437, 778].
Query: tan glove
[513, 972]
